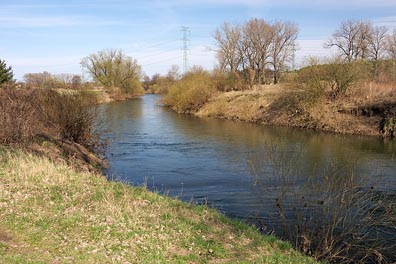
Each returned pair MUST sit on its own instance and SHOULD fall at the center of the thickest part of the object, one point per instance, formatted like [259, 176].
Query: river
[210, 160]
[276, 178]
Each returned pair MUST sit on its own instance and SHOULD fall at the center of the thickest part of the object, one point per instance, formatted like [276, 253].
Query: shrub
[300, 98]
[160, 85]
[191, 92]
[334, 76]
[18, 116]
[70, 115]
[26, 114]
[226, 81]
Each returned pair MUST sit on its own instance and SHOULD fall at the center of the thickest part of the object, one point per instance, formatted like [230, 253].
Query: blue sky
[54, 36]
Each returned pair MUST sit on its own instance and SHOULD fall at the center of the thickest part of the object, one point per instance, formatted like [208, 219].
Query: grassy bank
[280, 105]
[341, 98]
[51, 213]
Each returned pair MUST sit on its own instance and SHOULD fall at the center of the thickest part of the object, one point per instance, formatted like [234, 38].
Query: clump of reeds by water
[335, 214]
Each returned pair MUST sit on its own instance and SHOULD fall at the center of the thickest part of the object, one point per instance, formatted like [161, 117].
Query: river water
[219, 162]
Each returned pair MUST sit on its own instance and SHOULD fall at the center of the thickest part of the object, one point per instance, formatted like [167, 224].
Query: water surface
[210, 161]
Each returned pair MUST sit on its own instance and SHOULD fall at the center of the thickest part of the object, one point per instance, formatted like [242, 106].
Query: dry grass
[248, 105]
[372, 92]
[52, 214]
[288, 106]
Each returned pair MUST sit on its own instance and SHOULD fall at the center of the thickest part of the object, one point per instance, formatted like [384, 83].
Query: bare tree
[282, 46]
[391, 46]
[37, 80]
[351, 39]
[174, 73]
[254, 46]
[377, 42]
[376, 45]
[391, 50]
[228, 53]
[258, 36]
[363, 38]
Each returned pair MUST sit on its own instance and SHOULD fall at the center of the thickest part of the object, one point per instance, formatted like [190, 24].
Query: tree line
[48, 80]
[255, 48]
[110, 68]
[361, 40]
[256, 52]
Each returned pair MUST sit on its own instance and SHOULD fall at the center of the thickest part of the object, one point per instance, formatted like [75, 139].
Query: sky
[53, 35]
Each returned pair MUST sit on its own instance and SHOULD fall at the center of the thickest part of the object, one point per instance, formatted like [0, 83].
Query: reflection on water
[208, 160]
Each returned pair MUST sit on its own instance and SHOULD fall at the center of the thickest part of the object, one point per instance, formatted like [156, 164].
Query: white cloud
[29, 21]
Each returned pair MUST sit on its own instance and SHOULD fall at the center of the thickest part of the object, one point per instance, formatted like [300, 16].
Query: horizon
[54, 36]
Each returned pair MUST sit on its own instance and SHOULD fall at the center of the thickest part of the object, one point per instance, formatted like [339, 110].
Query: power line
[163, 60]
[155, 54]
[150, 47]
[186, 39]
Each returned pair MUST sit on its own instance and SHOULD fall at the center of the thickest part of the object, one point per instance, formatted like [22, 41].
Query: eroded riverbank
[272, 105]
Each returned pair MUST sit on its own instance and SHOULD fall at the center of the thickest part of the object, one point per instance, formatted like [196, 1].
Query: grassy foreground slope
[50, 213]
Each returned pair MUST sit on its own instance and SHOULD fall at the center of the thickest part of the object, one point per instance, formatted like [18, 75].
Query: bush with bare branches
[26, 114]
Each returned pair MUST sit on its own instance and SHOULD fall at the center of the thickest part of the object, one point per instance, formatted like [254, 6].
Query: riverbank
[51, 213]
[359, 112]
[104, 97]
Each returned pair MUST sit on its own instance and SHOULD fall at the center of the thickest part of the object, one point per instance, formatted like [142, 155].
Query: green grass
[50, 213]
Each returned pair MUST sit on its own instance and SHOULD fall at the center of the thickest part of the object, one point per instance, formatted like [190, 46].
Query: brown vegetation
[191, 92]
[331, 94]
[51, 81]
[360, 110]
[32, 118]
